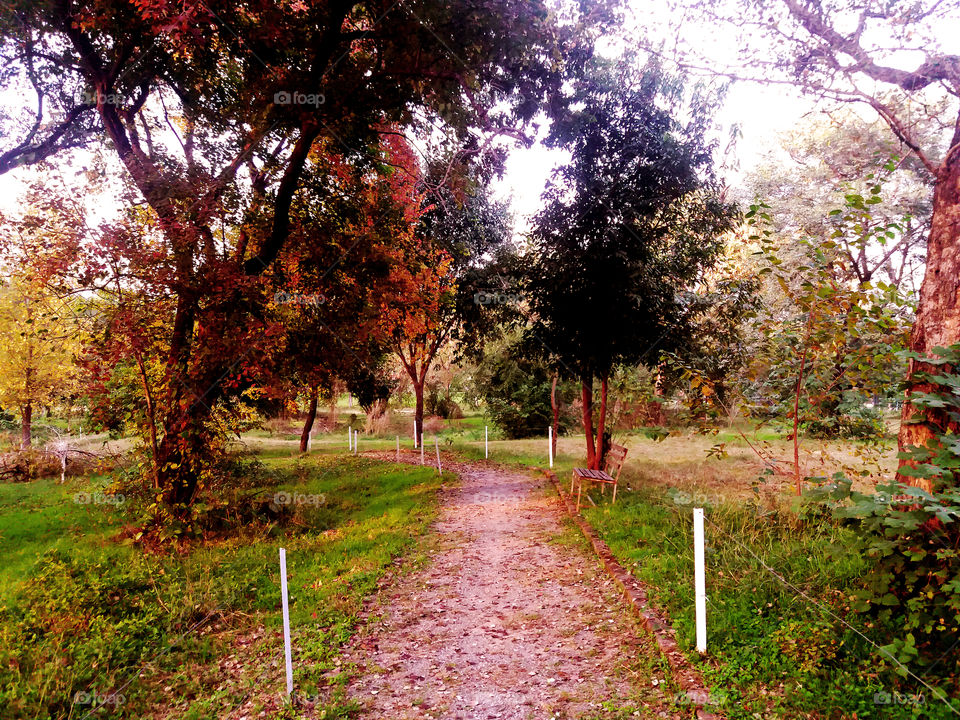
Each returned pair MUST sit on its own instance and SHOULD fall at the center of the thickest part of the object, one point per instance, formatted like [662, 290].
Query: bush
[910, 535]
[864, 424]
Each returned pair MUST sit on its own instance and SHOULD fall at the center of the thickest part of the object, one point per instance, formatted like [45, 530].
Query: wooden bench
[610, 474]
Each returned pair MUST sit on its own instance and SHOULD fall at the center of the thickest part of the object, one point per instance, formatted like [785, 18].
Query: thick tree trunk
[602, 426]
[311, 416]
[555, 406]
[26, 426]
[586, 395]
[938, 315]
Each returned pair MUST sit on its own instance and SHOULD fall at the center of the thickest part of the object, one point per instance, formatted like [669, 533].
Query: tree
[629, 223]
[213, 109]
[853, 53]
[39, 328]
[832, 159]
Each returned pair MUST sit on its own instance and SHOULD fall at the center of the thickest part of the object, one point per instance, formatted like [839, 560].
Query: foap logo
[895, 698]
[97, 699]
[286, 498]
[98, 498]
[298, 98]
[303, 299]
[507, 294]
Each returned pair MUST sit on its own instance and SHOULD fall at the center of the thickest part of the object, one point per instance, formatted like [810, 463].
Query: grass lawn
[84, 615]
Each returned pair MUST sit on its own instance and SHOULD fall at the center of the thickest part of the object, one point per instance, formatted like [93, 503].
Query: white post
[415, 443]
[286, 621]
[437, 444]
[699, 580]
[398, 448]
[356, 442]
[486, 443]
[550, 444]
[350, 438]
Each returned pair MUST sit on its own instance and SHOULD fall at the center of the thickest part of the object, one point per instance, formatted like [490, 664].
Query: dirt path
[511, 619]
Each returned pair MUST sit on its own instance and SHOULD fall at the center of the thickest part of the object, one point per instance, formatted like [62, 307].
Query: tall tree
[212, 110]
[631, 221]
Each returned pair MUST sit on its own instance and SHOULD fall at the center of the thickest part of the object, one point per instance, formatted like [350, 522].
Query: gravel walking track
[512, 617]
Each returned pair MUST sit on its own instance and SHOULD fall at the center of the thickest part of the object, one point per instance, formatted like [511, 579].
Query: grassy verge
[92, 627]
[772, 652]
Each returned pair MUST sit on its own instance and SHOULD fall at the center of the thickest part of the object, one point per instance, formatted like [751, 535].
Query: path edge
[686, 677]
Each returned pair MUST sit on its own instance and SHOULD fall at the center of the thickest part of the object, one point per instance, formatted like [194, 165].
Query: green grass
[772, 653]
[84, 612]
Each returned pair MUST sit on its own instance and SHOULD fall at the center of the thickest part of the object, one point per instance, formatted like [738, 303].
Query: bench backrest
[613, 462]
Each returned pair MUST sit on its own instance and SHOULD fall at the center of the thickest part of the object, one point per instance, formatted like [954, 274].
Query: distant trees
[631, 222]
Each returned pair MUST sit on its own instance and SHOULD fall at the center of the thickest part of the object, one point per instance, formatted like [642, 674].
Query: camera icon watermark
[283, 97]
[98, 498]
[286, 498]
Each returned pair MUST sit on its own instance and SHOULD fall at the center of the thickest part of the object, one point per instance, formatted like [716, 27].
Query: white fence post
[287, 656]
[550, 443]
[486, 443]
[416, 442]
[699, 580]
[436, 442]
[350, 438]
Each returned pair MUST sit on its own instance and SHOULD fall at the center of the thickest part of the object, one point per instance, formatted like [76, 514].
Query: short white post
[699, 580]
[550, 444]
[398, 448]
[286, 621]
[356, 442]
[486, 443]
[350, 438]
[437, 444]
[415, 442]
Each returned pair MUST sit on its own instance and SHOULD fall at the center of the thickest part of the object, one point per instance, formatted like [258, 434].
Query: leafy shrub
[516, 389]
[864, 424]
[912, 536]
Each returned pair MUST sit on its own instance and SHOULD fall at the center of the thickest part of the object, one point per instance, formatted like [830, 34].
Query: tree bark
[586, 394]
[26, 426]
[556, 411]
[601, 426]
[938, 314]
[418, 383]
[311, 416]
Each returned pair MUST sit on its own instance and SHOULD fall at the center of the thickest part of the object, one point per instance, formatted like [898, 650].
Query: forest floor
[511, 618]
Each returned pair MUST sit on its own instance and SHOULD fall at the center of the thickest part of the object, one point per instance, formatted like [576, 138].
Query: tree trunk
[556, 411]
[938, 314]
[601, 426]
[418, 384]
[586, 394]
[311, 416]
[26, 426]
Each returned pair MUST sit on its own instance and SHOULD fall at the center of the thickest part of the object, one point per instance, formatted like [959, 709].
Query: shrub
[911, 535]
[863, 424]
